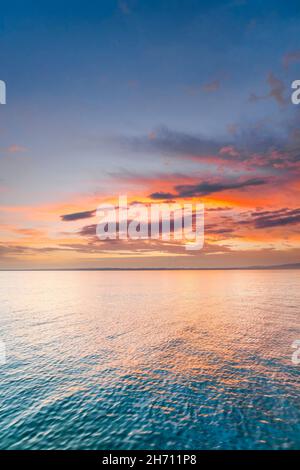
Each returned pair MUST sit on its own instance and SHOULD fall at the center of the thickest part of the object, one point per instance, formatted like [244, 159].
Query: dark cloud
[161, 195]
[278, 219]
[216, 230]
[206, 188]
[270, 213]
[255, 147]
[269, 219]
[78, 216]
[218, 209]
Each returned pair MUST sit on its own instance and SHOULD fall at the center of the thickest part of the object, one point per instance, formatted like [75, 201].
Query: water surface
[150, 360]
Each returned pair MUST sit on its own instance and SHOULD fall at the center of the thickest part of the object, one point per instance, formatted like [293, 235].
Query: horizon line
[230, 268]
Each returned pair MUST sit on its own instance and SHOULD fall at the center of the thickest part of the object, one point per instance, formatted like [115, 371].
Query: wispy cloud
[291, 58]
[253, 148]
[277, 91]
[211, 86]
[16, 148]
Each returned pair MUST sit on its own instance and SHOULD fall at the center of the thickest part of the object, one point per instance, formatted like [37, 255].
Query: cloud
[161, 195]
[257, 148]
[16, 149]
[213, 229]
[278, 218]
[277, 90]
[253, 146]
[88, 231]
[78, 216]
[218, 209]
[275, 218]
[15, 250]
[290, 58]
[167, 141]
[229, 150]
[206, 188]
[211, 86]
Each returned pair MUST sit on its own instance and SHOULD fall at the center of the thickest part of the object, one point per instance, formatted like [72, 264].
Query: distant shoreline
[232, 268]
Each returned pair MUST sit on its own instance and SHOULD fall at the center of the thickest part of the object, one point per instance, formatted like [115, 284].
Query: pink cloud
[16, 148]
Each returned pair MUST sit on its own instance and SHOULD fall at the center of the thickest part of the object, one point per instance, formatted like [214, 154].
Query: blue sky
[87, 81]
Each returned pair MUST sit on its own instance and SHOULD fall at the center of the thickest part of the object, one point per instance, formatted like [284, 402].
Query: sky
[158, 100]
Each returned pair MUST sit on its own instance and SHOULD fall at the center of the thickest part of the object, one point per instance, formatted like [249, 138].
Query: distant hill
[279, 266]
